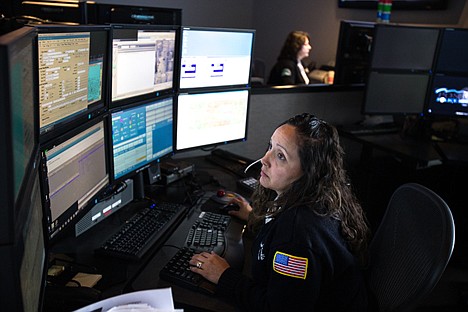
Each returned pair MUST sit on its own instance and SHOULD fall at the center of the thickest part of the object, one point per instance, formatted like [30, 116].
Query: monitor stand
[139, 186]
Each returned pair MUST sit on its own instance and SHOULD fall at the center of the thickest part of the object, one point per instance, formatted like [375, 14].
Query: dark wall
[274, 19]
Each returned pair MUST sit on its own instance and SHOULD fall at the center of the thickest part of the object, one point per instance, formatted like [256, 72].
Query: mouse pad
[214, 203]
[211, 206]
[226, 198]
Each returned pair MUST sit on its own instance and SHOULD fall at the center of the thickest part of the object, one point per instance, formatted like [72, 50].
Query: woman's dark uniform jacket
[300, 262]
[285, 72]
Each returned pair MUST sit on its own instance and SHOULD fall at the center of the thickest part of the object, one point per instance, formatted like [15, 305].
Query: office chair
[410, 249]
[258, 72]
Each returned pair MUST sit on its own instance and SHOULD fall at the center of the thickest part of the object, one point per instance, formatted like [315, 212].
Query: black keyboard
[145, 229]
[249, 183]
[207, 233]
[359, 129]
[177, 271]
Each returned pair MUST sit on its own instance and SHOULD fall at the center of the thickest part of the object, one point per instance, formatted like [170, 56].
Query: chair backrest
[258, 68]
[411, 248]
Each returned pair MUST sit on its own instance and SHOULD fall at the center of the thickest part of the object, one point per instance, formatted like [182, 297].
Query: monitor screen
[453, 52]
[353, 52]
[143, 59]
[18, 134]
[72, 76]
[211, 118]
[215, 57]
[24, 260]
[141, 135]
[449, 96]
[33, 260]
[395, 93]
[74, 172]
[404, 47]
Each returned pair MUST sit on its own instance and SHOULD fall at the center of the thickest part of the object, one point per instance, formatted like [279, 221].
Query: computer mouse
[229, 207]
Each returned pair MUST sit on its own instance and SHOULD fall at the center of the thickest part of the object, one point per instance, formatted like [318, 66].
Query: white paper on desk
[160, 299]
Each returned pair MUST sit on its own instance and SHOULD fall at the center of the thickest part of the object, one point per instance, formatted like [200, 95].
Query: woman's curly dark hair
[324, 185]
[293, 44]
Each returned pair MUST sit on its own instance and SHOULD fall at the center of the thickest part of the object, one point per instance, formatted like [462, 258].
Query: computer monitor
[211, 118]
[353, 52]
[400, 69]
[452, 56]
[141, 135]
[399, 47]
[143, 62]
[215, 57]
[74, 171]
[449, 86]
[134, 14]
[18, 122]
[24, 260]
[448, 96]
[72, 74]
[395, 93]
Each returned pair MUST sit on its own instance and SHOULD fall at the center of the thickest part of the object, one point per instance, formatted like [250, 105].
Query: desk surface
[148, 277]
[121, 276]
[410, 149]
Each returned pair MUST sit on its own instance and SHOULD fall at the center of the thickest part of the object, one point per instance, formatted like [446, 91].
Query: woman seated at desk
[289, 68]
[311, 233]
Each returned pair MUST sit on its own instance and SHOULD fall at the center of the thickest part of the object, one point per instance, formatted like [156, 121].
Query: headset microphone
[248, 167]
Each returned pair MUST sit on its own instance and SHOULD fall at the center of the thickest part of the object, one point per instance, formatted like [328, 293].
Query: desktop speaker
[105, 208]
[153, 174]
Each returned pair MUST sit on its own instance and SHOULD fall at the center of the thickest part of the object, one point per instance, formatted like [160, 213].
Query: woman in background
[289, 69]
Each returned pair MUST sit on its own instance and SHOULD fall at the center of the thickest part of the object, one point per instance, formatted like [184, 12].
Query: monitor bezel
[23, 214]
[215, 87]
[444, 45]
[95, 109]
[377, 42]
[69, 227]
[113, 104]
[212, 145]
[344, 61]
[431, 109]
[133, 173]
[7, 189]
[13, 253]
[365, 107]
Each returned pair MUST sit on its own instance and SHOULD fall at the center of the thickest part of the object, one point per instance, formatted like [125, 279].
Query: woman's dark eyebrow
[284, 149]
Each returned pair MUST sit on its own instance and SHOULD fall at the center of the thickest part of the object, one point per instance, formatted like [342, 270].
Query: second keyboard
[145, 229]
[207, 234]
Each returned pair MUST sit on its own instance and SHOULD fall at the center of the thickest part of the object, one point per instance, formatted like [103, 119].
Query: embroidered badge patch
[286, 72]
[290, 265]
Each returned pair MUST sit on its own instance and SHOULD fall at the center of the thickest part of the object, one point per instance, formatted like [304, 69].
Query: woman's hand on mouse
[209, 265]
[244, 208]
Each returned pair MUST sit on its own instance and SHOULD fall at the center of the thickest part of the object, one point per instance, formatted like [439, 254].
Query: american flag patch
[290, 265]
